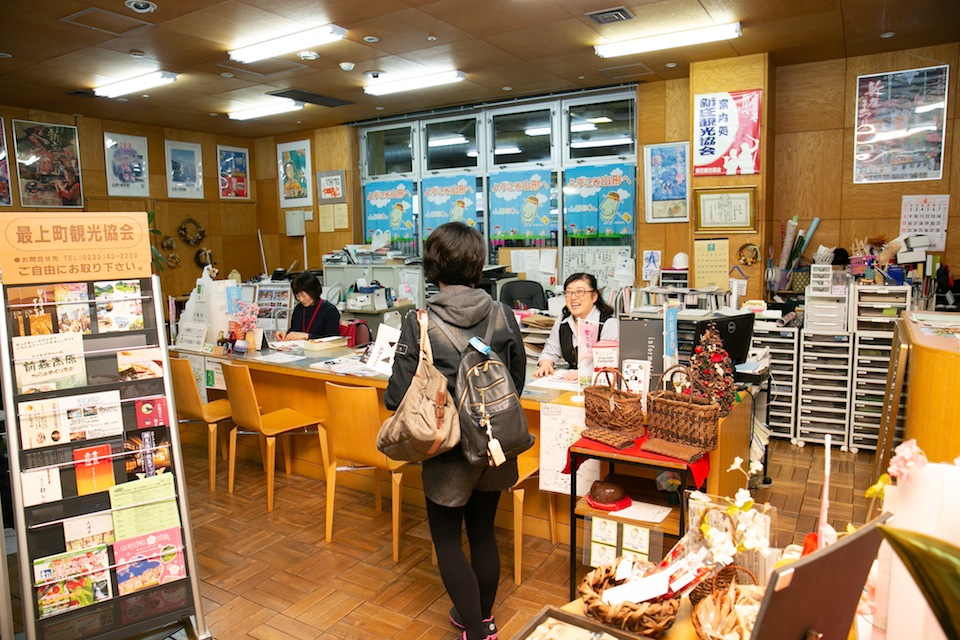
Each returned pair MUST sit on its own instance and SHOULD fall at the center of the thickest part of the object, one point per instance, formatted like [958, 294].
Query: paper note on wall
[710, 263]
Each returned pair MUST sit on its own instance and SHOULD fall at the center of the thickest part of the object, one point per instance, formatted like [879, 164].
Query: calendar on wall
[711, 263]
[926, 216]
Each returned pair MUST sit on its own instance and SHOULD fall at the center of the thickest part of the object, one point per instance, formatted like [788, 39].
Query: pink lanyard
[306, 327]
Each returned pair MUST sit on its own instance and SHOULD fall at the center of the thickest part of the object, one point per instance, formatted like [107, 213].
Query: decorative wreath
[203, 257]
[191, 232]
[168, 243]
[173, 260]
[749, 254]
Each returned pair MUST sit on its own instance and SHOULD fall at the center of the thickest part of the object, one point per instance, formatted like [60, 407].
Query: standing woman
[584, 304]
[456, 491]
[313, 317]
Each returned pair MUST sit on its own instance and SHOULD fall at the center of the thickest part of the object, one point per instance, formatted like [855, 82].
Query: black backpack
[487, 399]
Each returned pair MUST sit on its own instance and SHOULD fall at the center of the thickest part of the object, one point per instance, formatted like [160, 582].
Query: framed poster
[126, 165]
[666, 177]
[293, 164]
[331, 187]
[6, 199]
[900, 125]
[184, 169]
[234, 165]
[726, 210]
[48, 164]
[727, 141]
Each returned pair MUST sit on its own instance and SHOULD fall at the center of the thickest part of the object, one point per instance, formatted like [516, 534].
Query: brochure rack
[103, 532]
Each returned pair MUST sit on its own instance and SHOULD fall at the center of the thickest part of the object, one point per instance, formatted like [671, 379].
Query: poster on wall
[48, 164]
[5, 197]
[234, 165]
[726, 133]
[126, 165]
[295, 174]
[599, 201]
[666, 175]
[388, 206]
[448, 199]
[184, 169]
[900, 120]
[520, 208]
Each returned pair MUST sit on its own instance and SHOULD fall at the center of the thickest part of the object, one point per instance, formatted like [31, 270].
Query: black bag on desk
[487, 400]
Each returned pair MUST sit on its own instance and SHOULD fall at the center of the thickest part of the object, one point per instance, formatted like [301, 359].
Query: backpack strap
[461, 345]
[426, 351]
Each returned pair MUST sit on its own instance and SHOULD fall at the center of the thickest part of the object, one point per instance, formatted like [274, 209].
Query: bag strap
[426, 351]
[460, 345]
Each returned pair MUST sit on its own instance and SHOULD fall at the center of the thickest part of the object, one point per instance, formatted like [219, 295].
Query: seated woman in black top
[312, 317]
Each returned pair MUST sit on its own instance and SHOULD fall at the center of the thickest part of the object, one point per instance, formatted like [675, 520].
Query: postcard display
[104, 539]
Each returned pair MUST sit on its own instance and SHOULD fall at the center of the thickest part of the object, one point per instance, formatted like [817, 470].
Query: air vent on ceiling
[610, 16]
[312, 98]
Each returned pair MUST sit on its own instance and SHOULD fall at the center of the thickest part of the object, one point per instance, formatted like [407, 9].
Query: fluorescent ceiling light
[537, 131]
[609, 142]
[447, 142]
[266, 110]
[931, 107]
[416, 82]
[600, 120]
[578, 127]
[669, 40]
[506, 151]
[287, 44]
[133, 85]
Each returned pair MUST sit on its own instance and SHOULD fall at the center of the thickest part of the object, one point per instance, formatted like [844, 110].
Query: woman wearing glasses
[583, 304]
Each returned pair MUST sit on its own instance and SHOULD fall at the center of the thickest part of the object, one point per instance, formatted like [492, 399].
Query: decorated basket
[724, 613]
[646, 619]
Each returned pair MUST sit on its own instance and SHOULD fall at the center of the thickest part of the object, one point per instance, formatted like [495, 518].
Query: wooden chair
[190, 408]
[247, 414]
[352, 435]
[528, 466]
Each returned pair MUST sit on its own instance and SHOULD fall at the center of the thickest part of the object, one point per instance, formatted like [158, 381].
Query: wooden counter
[297, 386]
[933, 401]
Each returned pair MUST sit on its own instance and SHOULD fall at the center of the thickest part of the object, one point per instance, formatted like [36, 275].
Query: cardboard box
[360, 302]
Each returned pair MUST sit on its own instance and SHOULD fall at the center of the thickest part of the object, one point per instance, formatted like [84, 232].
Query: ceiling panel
[489, 17]
[407, 30]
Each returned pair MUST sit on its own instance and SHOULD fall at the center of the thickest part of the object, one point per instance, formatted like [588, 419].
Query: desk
[733, 440]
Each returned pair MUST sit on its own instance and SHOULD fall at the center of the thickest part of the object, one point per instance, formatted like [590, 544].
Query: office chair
[528, 293]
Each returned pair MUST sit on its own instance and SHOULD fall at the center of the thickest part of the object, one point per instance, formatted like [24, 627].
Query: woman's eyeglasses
[579, 293]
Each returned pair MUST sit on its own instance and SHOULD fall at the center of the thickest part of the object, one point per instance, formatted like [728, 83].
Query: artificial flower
[907, 456]
[736, 466]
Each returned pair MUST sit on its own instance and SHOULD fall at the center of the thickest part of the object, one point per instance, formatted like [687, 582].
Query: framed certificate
[726, 210]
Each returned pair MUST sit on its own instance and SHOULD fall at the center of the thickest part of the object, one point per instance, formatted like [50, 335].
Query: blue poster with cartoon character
[448, 199]
[599, 201]
[520, 206]
[388, 206]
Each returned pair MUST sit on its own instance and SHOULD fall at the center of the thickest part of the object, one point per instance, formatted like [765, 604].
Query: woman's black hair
[454, 254]
[308, 283]
[600, 304]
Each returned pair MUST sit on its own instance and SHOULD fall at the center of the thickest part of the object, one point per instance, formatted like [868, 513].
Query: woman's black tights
[472, 585]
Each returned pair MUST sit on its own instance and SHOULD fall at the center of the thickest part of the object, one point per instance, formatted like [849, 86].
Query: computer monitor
[736, 334]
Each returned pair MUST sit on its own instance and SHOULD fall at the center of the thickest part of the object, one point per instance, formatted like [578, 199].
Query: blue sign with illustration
[448, 199]
[599, 202]
[520, 205]
[388, 206]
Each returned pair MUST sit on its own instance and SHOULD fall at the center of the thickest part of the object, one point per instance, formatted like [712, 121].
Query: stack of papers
[345, 366]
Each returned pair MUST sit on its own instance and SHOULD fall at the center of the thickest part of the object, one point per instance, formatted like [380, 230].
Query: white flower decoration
[736, 466]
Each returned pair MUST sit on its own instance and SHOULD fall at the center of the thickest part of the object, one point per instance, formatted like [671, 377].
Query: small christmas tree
[711, 367]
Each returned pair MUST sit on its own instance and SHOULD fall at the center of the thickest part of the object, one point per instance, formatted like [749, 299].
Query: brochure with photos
[149, 560]
[72, 580]
[119, 307]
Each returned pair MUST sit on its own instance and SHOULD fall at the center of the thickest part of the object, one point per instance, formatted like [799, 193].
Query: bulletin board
[602, 262]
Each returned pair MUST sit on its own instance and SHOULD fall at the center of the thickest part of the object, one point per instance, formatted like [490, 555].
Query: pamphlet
[40, 424]
[151, 412]
[379, 355]
[49, 362]
[73, 310]
[147, 605]
[190, 335]
[119, 307]
[40, 486]
[147, 453]
[72, 580]
[92, 415]
[88, 531]
[149, 560]
[144, 506]
[140, 364]
[94, 469]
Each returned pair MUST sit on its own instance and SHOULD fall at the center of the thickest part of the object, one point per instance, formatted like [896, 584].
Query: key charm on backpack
[494, 450]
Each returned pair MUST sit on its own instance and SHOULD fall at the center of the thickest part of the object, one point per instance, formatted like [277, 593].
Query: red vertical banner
[727, 133]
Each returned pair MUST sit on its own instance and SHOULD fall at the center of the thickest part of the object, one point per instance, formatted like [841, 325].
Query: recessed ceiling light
[137, 54]
[308, 55]
[121, 99]
[379, 108]
[371, 39]
[581, 77]
[888, 34]
[431, 38]
[507, 88]
[670, 65]
[146, 95]
[226, 74]
[213, 114]
[141, 6]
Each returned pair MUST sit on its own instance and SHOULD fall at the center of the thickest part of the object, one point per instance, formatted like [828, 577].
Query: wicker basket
[682, 418]
[646, 619]
[613, 416]
[722, 593]
[721, 579]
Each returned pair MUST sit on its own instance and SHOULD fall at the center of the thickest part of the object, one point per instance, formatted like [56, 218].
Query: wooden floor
[271, 576]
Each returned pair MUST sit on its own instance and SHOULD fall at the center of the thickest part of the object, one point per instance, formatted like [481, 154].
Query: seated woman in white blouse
[583, 304]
